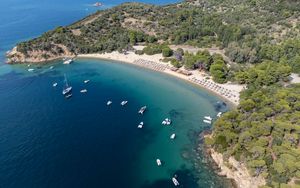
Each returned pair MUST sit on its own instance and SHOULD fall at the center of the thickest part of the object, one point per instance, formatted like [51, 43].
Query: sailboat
[67, 89]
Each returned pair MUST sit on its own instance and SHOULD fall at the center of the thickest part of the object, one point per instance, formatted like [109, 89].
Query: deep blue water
[48, 141]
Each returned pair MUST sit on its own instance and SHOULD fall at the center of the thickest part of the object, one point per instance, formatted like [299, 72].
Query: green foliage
[267, 127]
[219, 70]
[167, 52]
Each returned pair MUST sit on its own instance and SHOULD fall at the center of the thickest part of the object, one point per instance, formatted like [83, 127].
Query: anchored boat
[142, 110]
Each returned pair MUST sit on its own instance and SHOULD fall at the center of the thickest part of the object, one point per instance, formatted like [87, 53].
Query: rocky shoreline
[233, 169]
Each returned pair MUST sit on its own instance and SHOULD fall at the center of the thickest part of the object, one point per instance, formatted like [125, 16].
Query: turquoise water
[48, 141]
[81, 142]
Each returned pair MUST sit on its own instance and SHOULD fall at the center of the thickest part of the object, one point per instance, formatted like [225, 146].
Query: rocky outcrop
[37, 56]
[237, 171]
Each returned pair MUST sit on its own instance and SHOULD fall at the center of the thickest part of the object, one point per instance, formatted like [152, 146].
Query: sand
[229, 91]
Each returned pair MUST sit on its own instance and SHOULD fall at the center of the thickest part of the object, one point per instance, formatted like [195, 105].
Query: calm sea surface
[48, 141]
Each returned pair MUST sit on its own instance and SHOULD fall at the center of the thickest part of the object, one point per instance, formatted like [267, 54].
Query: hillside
[250, 31]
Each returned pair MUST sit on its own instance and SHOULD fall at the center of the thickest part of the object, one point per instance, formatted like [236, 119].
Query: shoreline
[153, 62]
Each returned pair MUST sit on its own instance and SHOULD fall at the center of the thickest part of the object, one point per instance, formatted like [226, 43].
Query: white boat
[68, 95]
[176, 183]
[67, 89]
[83, 91]
[167, 121]
[124, 103]
[86, 81]
[108, 103]
[54, 84]
[208, 118]
[28, 65]
[142, 110]
[51, 67]
[140, 126]
[97, 4]
[219, 114]
[173, 136]
[158, 162]
[207, 121]
[30, 70]
[67, 62]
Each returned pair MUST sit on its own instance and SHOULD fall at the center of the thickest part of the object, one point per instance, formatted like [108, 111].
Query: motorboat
[172, 136]
[167, 121]
[68, 61]
[51, 67]
[86, 81]
[207, 121]
[124, 103]
[83, 91]
[158, 162]
[54, 84]
[109, 103]
[142, 110]
[219, 114]
[208, 118]
[175, 181]
[140, 126]
[30, 70]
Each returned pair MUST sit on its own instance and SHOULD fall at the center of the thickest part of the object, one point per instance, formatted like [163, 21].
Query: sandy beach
[229, 91]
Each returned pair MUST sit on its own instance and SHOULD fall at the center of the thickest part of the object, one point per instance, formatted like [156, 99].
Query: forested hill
[249, 30]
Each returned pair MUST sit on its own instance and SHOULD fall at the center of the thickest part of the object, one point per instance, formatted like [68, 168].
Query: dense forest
[249, 31]
[260, 37]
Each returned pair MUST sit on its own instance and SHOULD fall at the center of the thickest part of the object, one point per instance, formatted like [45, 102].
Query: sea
[47, 140]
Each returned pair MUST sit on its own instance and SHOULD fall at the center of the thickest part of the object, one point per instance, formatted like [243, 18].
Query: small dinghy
[68, 96]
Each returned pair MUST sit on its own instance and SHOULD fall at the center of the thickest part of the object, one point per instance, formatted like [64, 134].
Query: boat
[30, 70]
[142, 110]
[172, 136]
[97, 4]
[175, 181]
[124, 103]
[158, 162]
[51, 67]
[54, 84]
[140, 126]
[219, 114]
[67, 89]
[207, 121]
[83, 91]
[68, 95]
[68, 61]
[108, 103]
[86, 81]
[167, 121]
[208, 118]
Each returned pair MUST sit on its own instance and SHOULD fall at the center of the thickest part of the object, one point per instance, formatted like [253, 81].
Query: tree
[167, 52]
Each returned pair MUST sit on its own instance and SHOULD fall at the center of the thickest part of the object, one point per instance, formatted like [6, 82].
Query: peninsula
[246, 51]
